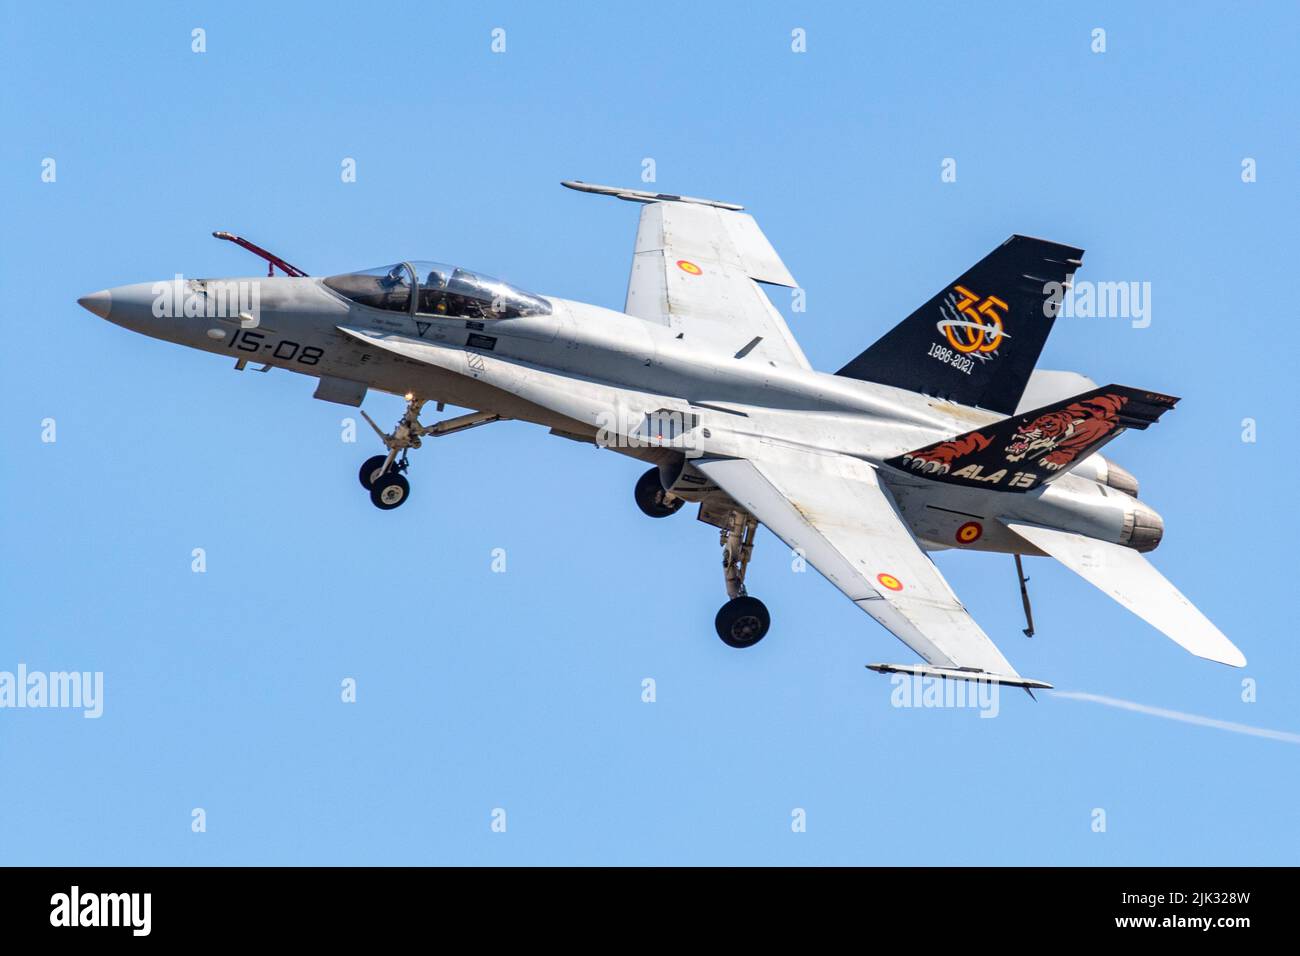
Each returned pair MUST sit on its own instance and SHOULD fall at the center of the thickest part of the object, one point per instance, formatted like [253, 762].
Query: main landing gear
[652, 499]
[743, 621]
[382, 475]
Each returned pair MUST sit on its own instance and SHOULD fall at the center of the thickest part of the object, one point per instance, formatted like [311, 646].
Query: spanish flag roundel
[889, 581]
[690, 268]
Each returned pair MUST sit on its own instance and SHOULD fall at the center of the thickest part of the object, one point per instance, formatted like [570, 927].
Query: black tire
[389, 491]
[369, 467]
[742, 622]
[649, 494]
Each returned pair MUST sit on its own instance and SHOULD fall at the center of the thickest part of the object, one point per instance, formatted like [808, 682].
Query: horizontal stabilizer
[1135, 583]
[952, 673]
[1051, 385]
[1024, 451]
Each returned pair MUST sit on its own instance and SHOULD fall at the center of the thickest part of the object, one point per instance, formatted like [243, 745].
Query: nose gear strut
[382, 475]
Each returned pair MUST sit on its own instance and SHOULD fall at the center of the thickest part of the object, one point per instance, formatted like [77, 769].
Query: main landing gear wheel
[652, 499]
[389, 491]
[742, 622]
[371, 469]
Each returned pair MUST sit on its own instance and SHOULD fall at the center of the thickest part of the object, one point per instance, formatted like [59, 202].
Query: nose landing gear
[382, 476]
[743, 621]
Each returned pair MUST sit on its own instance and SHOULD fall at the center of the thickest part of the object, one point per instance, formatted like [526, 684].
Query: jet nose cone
[100, 303]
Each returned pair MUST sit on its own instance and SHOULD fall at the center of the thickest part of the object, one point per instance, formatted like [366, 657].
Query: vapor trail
[1282, 735]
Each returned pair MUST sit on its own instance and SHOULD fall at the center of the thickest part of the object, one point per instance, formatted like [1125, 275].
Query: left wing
[697, 268]
[846, 525]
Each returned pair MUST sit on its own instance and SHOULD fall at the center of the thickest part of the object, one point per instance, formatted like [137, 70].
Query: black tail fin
[1021, 452]
[977, 341]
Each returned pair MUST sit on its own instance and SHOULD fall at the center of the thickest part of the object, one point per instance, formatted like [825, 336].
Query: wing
[697, 268]
[846, 525]
[1135, 583]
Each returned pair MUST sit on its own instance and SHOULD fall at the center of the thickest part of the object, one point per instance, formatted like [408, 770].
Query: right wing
[846, 525]
[1134, 582]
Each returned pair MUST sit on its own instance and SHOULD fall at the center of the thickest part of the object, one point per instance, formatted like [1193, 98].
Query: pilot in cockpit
[440, 290]
[433, 294]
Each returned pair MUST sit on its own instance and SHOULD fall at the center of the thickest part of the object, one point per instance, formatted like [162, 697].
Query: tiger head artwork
[1056, 438]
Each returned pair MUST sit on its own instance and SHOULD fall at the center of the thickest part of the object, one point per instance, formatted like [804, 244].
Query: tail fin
[977, 341]
[1024, 451]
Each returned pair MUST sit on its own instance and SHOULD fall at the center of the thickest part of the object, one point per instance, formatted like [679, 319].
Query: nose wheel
[381, 475]
[389, 491]
[743, 621]
[371, 469]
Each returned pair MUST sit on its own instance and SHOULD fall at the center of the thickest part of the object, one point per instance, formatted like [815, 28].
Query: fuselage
[599, 375]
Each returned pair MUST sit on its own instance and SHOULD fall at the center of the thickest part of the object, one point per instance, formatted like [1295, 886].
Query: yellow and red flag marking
[970, 532]
[690, 268]
[889, 581]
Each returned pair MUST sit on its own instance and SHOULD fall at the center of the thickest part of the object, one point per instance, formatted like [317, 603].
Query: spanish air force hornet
[940, 435]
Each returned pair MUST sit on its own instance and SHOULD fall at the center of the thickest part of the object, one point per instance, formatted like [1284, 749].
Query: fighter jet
[940, 435]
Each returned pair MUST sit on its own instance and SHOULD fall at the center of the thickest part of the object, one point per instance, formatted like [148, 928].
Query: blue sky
[522, 690]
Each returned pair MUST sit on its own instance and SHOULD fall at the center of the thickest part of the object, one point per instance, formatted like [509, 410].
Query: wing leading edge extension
[846, 525]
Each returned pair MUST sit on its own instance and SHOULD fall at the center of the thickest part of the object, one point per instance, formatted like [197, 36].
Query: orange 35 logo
[972, 324]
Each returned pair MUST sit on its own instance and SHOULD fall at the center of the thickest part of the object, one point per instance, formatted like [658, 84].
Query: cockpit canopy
[437, 289]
